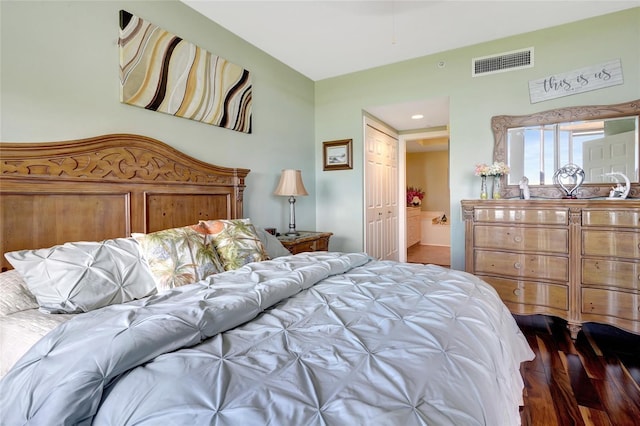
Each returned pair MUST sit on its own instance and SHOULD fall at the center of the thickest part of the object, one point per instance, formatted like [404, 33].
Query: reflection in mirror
[599, 138]
[598, 146]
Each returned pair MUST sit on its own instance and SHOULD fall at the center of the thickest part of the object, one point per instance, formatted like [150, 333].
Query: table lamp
[291, 185]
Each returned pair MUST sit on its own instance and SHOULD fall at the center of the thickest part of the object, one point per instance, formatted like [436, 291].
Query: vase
[497, 187]
[483, 188]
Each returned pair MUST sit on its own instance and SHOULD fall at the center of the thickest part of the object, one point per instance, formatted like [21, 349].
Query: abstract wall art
[162, 72]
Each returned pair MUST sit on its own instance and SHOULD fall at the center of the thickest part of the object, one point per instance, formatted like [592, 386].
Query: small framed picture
[337, 155]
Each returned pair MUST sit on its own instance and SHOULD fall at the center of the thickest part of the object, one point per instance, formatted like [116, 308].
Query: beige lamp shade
[291, 183]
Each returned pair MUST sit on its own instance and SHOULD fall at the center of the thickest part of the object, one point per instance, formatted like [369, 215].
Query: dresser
[306, 241]
[414, 226]
[575, 259]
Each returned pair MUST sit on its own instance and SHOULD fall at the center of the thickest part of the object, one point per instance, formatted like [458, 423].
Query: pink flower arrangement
[413, 193]
[482, 169]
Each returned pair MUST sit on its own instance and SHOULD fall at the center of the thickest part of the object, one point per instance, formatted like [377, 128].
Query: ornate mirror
[601, 139]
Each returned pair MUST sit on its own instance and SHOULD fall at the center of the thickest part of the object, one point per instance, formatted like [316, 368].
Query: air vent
[502, 62]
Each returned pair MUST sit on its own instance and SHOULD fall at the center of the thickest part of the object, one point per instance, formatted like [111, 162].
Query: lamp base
[292, 218]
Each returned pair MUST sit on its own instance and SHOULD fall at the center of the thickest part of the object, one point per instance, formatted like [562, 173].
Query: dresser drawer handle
[517, 291]
[517, 216]
[517, 265]
[517, 239]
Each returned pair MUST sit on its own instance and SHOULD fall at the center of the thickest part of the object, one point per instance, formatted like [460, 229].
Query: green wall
[473, 101]
[60, 81]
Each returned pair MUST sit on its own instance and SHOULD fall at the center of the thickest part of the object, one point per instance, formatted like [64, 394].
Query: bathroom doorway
[427, 168]
[421, 126]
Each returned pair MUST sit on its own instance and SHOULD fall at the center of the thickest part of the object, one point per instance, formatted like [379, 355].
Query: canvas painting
[162, 72]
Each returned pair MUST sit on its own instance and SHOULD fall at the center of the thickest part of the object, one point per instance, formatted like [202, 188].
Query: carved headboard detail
[107, 187]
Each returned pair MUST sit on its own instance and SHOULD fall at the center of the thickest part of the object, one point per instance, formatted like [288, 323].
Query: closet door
[381, 194]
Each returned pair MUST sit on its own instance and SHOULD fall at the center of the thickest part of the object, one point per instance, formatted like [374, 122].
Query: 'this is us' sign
[582, 80]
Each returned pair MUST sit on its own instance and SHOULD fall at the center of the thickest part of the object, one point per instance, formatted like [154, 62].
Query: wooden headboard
[106, 187]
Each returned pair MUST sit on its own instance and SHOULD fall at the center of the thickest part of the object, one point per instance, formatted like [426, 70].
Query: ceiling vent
[502, 62]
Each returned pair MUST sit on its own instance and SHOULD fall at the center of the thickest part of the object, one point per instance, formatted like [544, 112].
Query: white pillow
[14, 294]
[273, 245]
[82, 276]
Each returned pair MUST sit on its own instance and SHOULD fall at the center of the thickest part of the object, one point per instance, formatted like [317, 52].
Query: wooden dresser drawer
[521, 265]
[306, 246]
[577, 259]
[554, 296]
[529, 216]
[612, 244]
[306, 241]
[616, 304]
[612, 273]
[522, 238]
[321, 244]
[620, 218]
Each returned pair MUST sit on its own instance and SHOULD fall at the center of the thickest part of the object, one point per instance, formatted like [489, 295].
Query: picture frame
[337, 155]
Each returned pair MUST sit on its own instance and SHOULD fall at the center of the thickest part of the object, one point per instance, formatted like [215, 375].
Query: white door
[381, 194]
[610, 154]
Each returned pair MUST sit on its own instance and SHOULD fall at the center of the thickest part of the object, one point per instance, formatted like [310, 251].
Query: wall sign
[573, 82]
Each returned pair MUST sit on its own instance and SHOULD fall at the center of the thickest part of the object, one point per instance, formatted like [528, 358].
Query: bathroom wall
[430, 171]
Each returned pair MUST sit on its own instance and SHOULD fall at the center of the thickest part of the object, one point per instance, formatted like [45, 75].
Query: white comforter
[317, 338]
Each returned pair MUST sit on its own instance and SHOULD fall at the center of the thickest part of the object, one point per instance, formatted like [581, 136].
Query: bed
[246, 333]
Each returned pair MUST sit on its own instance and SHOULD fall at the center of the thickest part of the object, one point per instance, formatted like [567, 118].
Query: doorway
[427, 169]
[412, 122]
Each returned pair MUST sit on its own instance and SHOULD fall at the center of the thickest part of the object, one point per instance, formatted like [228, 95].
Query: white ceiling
[324, 39]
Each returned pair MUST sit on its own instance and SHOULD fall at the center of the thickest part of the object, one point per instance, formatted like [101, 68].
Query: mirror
[599, 138]
[597, 146]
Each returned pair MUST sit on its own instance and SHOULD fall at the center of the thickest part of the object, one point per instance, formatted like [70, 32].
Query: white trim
[402, 205]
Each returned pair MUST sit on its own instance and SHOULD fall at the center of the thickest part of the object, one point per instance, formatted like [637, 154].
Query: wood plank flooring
[594, 380]
[437, 255]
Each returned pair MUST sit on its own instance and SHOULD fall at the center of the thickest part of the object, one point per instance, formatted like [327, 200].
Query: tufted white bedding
[316, 338]
[21, 330]
[21, 324]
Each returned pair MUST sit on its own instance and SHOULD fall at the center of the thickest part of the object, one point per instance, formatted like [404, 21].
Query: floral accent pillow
[179, 256]
[236, 242]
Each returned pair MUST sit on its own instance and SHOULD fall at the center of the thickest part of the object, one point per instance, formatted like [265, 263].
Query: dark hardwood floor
[594, 380]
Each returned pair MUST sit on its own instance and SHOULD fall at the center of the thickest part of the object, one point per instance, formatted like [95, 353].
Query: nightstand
[306, 241]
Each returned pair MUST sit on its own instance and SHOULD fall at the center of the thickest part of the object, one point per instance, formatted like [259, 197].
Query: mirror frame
[501, 123]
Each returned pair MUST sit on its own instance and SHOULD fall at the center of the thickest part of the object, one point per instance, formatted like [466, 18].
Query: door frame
[402, 195]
